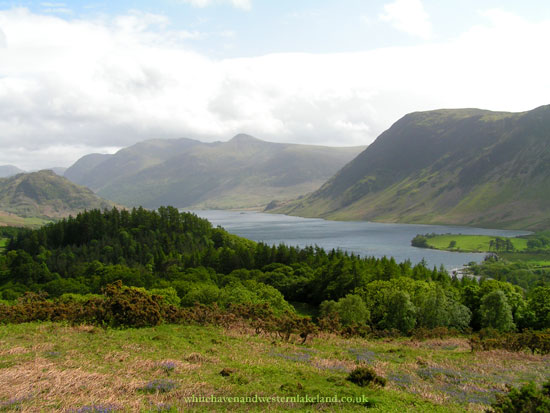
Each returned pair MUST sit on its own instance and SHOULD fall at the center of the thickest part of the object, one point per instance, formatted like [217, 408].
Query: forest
[181, 261]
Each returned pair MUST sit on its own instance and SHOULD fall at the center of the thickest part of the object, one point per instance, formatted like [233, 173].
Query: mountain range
[462, 166]
[244, 172]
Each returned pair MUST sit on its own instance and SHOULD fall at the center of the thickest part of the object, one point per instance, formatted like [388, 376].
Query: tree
[420, 241]
[539, 306]
[496, 312]
[401, 313]
[169, 295]
[432, 312]
[352, 310]
[459, 316]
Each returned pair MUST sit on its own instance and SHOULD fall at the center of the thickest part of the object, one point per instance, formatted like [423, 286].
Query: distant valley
[244, 172]
[463, 166]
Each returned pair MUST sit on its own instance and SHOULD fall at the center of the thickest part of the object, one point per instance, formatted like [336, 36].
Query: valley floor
[57, 367]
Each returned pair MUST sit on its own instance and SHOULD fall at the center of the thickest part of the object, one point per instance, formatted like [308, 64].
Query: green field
[56, 367]
[11, 220]
[3, 243]
[471, 243]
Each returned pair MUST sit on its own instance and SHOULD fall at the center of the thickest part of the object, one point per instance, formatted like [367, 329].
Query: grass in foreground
[470, 243]
[54, 367]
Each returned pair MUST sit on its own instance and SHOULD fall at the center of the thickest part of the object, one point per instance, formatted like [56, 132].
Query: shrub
[365, 376]
[534, 341]
[131, 306]
[528, 398]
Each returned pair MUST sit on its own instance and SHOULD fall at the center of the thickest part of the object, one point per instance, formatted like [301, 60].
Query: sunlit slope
[46, 195]
[463, 166]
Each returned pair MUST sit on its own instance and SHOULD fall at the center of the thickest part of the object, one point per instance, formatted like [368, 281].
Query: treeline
[538, 242]
[521, 273]
[186, 261]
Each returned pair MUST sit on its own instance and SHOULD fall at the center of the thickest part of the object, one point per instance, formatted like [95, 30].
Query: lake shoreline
[364, 238]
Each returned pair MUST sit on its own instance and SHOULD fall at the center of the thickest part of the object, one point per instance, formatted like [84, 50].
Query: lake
[363, 238]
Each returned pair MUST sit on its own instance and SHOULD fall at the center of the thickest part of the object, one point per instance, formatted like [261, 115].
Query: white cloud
[408, 16]
[85, 86]
[240, 4]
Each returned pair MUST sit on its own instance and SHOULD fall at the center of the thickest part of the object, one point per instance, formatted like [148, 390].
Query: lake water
[363, 238]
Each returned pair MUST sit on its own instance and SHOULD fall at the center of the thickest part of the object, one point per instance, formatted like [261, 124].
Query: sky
[80, 77]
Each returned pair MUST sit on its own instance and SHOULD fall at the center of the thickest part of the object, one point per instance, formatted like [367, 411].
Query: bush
[528, 398]
[131, 306]
[365, 376]
[534, 341]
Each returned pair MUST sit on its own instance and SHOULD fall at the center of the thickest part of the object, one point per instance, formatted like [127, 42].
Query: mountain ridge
[243, 172]
[449, 166]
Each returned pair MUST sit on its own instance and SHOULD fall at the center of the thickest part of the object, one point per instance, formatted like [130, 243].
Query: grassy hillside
[244, 172]
[43, 195]
[46, 366]
[12, 220]
[463, 166]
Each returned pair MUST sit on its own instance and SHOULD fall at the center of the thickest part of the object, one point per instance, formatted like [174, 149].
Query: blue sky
[81, 77]
[260, 27]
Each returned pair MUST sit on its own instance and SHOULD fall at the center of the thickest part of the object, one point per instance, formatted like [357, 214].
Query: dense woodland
[184, 261]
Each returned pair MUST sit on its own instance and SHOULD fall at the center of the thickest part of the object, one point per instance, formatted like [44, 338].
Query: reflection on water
[363, 238]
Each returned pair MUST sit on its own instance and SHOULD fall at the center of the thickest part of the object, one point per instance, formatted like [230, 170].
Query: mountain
[9, 170]
[465, 166]
[243, 172]
[45, 194]
[59, 170]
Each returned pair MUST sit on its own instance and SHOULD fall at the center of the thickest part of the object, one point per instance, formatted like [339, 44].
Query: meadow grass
[3, 243]
[57, 367]
[470, 243]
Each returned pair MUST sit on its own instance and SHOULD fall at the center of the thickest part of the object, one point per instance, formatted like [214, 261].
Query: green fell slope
[44, 194]
[464, 166]
[243, 172]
